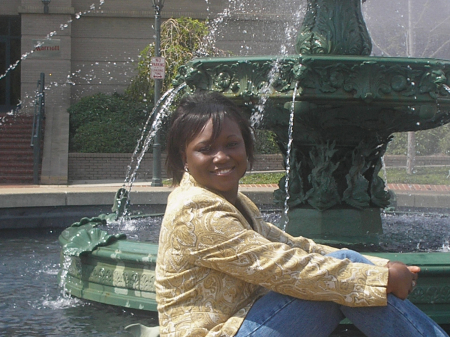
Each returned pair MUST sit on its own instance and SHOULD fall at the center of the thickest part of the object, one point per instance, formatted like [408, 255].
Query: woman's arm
[275, 234]
[216, 238]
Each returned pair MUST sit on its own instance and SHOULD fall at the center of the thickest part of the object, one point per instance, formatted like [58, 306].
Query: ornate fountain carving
[334, 27]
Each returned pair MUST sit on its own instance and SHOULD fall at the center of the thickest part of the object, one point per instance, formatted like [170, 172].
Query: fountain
[342, 107]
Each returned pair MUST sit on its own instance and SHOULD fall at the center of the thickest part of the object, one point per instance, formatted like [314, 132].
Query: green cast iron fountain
[346, 105]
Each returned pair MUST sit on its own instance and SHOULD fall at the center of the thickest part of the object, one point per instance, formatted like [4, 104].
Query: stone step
[18, 144]
[16, 157]
[15, 137]
[16, 180]
[12, 172]
[21, 165]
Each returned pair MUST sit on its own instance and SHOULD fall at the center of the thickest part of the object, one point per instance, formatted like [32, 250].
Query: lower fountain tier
[123, 273]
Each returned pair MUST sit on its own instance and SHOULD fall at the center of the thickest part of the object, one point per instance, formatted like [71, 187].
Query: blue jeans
[276, 315]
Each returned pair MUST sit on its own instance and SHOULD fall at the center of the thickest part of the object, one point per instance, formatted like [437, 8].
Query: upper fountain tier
[377, 93]
[334, 74]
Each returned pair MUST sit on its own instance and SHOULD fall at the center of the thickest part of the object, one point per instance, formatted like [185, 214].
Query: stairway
[16, 153]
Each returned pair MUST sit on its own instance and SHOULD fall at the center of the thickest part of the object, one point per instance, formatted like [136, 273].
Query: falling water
[156, 125]
[446, 87]
[256, 118]
[288, 158]
[289, 34]
[210, 39]
[141, 139]
[28, 100]
[258, 114]
[383, 167]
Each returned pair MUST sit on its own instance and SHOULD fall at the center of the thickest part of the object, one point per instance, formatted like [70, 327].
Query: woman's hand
[402, 279]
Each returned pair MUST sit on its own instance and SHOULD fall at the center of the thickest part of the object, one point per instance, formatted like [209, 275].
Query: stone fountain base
[121, 274]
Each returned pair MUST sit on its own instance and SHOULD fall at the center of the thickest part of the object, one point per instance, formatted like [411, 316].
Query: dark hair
[191, 116]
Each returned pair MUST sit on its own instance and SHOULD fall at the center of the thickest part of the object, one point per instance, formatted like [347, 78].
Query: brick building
[89, 46]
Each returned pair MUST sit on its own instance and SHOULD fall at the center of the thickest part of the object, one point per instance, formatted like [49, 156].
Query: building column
[47, 39]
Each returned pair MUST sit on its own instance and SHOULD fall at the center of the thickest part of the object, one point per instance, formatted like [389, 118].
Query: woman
[223, 271]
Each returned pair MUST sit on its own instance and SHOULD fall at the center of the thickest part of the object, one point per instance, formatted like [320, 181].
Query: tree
[182, 39]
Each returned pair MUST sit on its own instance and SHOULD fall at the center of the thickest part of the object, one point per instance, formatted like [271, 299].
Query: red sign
[158, 68]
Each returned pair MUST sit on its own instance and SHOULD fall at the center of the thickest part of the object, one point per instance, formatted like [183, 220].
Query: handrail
[38, 118]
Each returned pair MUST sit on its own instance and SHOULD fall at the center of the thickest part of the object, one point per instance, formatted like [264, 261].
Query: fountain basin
[110, 269]
[120, 274]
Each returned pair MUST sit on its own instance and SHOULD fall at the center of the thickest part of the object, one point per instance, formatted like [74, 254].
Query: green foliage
[181, 40]
[113, 123]
[428, 142]
[98, 137]
[422, 175]
[265, 142]
[106, 124]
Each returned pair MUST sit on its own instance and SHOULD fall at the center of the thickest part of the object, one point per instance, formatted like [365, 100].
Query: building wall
[102, 42]
[9, 7]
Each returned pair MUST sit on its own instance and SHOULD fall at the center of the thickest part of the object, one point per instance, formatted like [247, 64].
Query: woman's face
[219, 164]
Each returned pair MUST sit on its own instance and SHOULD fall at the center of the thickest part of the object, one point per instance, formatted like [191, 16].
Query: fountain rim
[399, 60]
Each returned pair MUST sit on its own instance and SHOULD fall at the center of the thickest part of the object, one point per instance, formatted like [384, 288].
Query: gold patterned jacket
[212, 266]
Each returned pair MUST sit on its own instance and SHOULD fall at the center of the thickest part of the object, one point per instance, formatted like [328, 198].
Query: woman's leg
[399, 318]
[351, 255]
[277, 315]
[280, 315]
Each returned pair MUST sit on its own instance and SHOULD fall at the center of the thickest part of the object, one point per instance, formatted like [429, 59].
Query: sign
[46, 48]
[158, 68]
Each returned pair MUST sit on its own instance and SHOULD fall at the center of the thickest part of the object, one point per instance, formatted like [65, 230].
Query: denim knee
[351, 255]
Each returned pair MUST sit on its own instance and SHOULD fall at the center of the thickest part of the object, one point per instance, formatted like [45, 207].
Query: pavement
[39, 205]
[102, 193]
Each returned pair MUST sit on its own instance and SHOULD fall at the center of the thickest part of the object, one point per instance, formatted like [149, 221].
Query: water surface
[31, 300]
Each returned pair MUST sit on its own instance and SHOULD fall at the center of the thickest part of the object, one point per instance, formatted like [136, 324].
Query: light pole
[45, 2]
[156, 179]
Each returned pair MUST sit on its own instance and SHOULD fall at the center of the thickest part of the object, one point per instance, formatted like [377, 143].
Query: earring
[186, 168]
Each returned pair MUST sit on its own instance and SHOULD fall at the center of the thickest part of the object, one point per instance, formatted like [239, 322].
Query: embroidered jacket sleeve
[218, 237]
[275, 234]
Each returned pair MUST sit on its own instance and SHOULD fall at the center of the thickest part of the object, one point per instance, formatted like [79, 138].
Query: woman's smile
[223, 171]
[220, 163]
